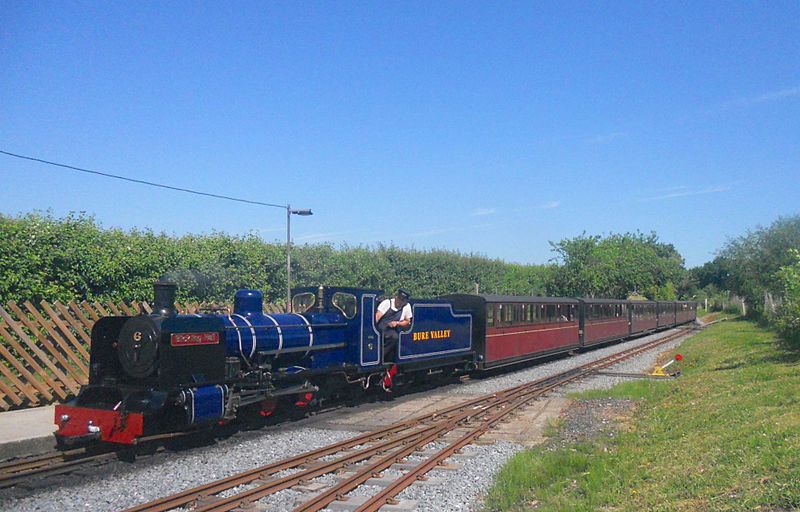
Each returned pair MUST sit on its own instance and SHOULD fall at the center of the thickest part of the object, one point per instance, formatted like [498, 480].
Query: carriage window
[551, 313]
[529, 312]
[346, 303]
[508, 313]
[490, 315]
[302, 302]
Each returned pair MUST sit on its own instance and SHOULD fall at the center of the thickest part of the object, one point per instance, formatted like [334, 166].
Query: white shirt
[389, 303]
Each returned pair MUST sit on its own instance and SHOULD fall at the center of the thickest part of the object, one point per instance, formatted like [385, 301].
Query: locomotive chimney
[164, 298]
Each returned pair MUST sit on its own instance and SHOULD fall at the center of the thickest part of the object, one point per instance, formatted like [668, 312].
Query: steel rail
[417, 427]
[398, 448]
[14, 473]
[407, 443]
[506, 407]
[188, 496]
[388, 494]
[54, 463]
[29, 462]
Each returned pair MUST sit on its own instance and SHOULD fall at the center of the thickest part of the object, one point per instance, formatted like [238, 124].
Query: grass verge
[724, 436]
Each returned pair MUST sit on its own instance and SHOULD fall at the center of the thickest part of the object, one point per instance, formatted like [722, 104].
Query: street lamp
[289, 213]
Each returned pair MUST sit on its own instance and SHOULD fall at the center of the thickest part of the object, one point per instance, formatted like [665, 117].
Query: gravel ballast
[118, 485]
[464, 488]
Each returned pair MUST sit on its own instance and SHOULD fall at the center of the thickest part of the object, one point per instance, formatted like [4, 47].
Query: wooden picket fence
[44, 348]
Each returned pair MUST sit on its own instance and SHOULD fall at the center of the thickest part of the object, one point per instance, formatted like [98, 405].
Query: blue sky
[480, 127]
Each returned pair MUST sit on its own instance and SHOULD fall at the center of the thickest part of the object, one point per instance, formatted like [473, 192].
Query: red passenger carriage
[644, 316]
[603, 320]
[685, 312]
[520, 328]
[666, 314]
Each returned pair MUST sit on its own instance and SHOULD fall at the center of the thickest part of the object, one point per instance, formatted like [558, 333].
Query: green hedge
[74, 257]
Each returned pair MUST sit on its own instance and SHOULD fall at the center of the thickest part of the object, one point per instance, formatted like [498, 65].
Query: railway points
[383, 412]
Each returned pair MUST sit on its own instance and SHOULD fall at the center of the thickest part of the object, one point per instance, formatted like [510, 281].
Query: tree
[751, 262]
[788, 318]
[617, 265]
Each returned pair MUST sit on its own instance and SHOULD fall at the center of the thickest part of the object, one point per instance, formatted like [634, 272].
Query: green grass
[724, 436]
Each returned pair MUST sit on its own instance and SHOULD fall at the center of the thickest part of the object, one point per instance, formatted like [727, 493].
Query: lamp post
[289, 213]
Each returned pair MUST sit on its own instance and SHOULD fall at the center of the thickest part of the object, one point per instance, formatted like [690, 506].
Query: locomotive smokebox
[164, 298]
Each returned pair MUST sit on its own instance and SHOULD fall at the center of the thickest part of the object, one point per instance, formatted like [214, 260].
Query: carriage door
[370, 338]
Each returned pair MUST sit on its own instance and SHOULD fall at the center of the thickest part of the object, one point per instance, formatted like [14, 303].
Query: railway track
[367, 456]
[21, 471]
[53, 463]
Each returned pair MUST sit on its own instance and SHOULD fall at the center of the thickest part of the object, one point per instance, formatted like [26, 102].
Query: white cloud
[777, 95]
[604, 138]
[272, 230]
[330, 235]
[549, 205]
[686, 191]
[479, 212]
[766, 97]
[432, 232]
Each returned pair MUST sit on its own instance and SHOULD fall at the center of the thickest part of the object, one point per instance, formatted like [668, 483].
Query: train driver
[393, 315]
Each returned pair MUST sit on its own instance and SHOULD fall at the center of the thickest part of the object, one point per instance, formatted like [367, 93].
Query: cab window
[346, 303]
[303, 302]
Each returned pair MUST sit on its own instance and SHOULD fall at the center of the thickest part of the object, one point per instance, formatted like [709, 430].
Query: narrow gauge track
[58, 462]
[374, 452]
[52, 463]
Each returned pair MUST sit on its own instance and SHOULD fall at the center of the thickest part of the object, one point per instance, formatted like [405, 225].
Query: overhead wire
[142, 182]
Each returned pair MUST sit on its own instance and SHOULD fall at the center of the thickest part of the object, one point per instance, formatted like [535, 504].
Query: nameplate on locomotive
[185, 339]
[431, 335]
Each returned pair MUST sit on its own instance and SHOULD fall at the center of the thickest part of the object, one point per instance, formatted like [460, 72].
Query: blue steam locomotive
[165, 372]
